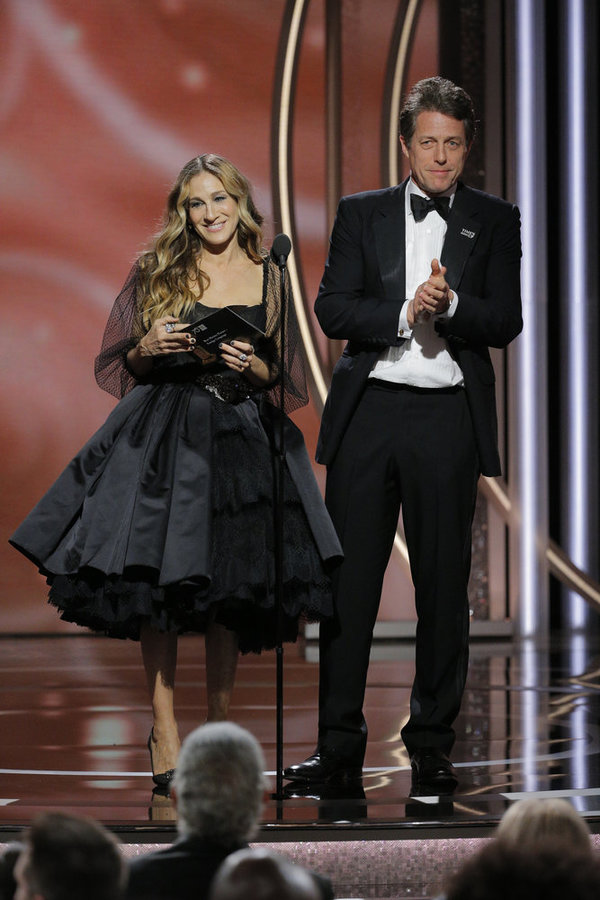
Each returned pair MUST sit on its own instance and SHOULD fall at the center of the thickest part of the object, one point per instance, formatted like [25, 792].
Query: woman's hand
[165, 336]
[240, 357]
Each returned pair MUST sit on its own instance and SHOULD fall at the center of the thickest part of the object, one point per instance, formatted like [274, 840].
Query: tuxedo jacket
[183, 870]
[363, 289]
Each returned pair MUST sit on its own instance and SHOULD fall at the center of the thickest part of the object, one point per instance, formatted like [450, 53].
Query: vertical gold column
[333, 105]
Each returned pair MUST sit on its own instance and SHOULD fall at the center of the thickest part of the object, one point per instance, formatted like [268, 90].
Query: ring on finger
[169, 327]
[243, 357]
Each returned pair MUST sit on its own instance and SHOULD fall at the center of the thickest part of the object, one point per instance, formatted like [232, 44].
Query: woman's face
[213, 212]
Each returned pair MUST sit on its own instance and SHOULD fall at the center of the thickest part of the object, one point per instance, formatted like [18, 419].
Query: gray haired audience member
[220, 784]
[218, 792]
[262, 875]
[67, 857]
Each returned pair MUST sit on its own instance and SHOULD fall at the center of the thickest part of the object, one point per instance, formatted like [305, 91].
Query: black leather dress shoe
[322, 769]
[432, 768]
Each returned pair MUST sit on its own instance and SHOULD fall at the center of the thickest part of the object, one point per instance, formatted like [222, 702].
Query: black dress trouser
[413, 450]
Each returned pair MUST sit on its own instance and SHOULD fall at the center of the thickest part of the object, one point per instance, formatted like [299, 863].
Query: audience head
[69, 856]
[554, 872]
[262, 875]
[529, 824]
[7, 870]
[220, 784]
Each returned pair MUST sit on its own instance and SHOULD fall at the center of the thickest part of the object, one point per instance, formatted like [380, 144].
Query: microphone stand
[279, 252]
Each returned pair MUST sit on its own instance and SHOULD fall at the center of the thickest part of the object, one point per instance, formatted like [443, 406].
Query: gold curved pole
[284, 128]
[559, 563]
[567, 572]
[491, 489]
[396, 92]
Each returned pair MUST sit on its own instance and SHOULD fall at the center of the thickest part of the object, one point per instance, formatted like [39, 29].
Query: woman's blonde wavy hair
[173, 263]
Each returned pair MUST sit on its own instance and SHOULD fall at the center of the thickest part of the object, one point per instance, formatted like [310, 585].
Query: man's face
[437, 152]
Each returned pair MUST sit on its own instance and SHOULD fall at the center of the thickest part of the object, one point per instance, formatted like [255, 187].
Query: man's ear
[404, 146]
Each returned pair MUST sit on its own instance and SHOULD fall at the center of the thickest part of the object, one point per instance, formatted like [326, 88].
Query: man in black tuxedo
[421, 279]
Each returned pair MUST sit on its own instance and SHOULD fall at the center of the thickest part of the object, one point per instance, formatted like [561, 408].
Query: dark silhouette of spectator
[68, 857]
[553, 872]
[262, 875]
[7, 870]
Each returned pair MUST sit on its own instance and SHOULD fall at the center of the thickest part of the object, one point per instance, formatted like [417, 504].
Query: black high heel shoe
[162, 779]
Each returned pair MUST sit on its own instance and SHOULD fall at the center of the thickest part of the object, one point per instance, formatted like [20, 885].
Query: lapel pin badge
[466, 233]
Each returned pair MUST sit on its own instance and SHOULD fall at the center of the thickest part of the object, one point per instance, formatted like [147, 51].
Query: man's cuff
[451, 309]
[404, 329]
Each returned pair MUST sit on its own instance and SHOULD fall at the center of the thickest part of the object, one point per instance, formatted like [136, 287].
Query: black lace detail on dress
[124, 329]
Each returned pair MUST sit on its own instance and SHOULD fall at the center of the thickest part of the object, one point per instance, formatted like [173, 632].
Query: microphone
[281, 250]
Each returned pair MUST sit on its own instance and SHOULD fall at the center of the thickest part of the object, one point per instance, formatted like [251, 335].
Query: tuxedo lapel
[461, 236]
[389, 235]
[389, 231]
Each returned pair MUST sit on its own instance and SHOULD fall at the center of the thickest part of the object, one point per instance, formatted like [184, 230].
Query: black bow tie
[421, 206]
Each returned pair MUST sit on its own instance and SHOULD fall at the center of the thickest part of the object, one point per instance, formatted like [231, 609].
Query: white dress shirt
[423, 360]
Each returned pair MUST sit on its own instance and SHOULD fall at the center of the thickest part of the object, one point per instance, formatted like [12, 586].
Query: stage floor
[74, 721]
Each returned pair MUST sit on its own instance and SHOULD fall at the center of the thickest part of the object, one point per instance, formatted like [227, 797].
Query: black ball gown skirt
[167, 516]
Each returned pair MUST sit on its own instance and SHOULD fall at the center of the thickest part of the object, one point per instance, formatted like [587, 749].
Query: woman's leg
[159, 654]
[221, 662]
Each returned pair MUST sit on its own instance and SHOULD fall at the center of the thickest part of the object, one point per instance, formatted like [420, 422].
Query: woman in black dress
[163, 523]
